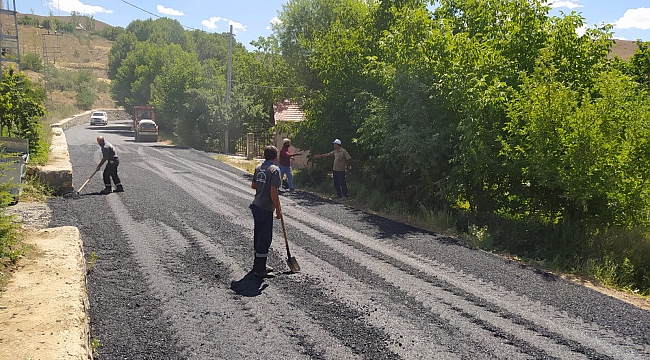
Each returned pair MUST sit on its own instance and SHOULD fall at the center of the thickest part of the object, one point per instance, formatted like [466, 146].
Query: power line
[156, 15]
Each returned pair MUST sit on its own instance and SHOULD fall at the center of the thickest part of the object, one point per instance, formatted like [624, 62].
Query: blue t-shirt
[265, 176]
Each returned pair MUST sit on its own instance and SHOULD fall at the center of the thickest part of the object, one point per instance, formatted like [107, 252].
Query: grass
[92, 261]
[240, 163]
[35, 191]
[95, 344]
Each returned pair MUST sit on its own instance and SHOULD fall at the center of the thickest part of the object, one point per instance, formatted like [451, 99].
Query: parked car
[99, 118]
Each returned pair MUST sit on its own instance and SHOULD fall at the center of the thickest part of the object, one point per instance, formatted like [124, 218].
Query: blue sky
[252, 18]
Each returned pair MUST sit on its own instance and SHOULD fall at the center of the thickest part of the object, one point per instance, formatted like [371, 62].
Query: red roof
[288, 111]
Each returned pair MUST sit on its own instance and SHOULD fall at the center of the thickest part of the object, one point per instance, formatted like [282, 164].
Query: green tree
[20, 109]
[85, 96]
[639, 66]
[124, 44]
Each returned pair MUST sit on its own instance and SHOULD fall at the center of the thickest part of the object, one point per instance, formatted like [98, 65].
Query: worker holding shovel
[110, 171]
[266, 182]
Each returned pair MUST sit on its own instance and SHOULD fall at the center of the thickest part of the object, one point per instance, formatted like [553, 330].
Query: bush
[86, 97]
[32, 62]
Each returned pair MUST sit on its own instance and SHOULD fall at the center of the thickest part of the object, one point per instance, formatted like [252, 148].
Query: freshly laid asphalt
[172, 277]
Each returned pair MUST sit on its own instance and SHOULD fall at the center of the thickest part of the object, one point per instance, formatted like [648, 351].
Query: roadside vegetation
[20, 116]
[496, 122]
[27, 110]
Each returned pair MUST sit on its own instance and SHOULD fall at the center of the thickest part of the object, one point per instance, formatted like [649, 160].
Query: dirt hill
[76, 50]
[79, 49]
[625, 49]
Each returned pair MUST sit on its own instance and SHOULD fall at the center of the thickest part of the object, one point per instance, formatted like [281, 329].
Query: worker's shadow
[249, 286]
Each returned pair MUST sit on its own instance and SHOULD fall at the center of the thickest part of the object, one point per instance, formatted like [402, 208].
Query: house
[288, 111]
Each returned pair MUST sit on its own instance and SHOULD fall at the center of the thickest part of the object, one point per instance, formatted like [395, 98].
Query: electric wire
[156, 15]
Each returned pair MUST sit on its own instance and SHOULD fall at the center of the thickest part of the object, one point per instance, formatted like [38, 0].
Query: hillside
[625, 49]
[77, 50]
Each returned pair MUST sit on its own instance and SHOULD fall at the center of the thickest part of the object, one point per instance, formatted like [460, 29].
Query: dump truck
[144, 123]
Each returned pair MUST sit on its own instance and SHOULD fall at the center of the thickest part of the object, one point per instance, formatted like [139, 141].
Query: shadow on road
[115, 130]
[249, 286]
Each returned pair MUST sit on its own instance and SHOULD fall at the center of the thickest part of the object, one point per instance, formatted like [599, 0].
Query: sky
[252, 18]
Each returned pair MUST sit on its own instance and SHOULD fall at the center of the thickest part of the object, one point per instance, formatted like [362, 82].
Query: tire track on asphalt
[205, 186]
[231, 211]
[615, 346]
[190, 305]
[544, 317]
[199, 191]
[280, 306]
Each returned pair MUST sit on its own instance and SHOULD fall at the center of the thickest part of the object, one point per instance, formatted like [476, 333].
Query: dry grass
[624, 49]
[239, 162]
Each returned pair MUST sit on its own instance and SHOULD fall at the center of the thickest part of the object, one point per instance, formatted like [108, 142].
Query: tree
[639, 67]
[20, 108]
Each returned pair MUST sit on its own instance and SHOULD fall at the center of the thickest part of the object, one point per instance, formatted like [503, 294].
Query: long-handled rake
[75, 194]
[291, 261]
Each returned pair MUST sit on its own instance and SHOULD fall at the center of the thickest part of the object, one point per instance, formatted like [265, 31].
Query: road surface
[172, 276]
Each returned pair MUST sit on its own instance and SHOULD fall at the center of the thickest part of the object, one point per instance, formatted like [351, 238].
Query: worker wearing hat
[342, 160]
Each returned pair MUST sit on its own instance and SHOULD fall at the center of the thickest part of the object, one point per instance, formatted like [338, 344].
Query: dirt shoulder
[44, 305]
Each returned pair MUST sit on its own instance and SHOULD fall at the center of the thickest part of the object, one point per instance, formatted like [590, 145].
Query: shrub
[86, 97]
[32, 62]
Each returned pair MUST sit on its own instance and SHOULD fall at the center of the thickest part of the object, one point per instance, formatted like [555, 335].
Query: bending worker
[110, 171]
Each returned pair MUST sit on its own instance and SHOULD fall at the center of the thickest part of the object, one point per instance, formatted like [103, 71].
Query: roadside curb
[76, 315]
[56, 328]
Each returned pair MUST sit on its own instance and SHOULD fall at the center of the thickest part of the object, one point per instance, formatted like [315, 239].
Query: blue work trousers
[110, 172]
[287, 170]
[262, 236]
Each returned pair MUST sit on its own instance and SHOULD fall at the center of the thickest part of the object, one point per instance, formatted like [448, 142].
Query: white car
[99, 118]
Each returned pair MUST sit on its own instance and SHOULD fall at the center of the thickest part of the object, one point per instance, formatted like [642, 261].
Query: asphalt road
[172, 279]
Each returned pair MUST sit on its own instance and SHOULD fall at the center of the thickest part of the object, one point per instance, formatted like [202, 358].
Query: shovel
[291, 261]
[75, 195]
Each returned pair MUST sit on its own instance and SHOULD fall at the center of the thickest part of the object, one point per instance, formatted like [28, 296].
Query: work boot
[119, 188]
[107, 190]
[264, 274]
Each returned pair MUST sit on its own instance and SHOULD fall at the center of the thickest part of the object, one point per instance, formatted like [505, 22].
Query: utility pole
[9, 46]
[50, 53]
[228, 89]
[229, 83]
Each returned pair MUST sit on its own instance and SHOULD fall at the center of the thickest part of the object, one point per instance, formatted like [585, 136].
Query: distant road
[172, 276]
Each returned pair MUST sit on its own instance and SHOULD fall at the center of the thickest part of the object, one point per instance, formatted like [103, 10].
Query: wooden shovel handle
[286, 241]
[82, 186]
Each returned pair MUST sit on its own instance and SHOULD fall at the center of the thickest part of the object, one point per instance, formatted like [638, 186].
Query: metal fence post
[251, 152]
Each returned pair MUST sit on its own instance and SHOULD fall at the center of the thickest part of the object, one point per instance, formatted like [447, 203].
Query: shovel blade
[293, 264]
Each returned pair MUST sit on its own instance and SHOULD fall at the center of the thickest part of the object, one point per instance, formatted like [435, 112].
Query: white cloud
[634, 18]
[274, 21]
[212, 24]
[169, 11]
[78, 6]
[582, 30]
[571, 4]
